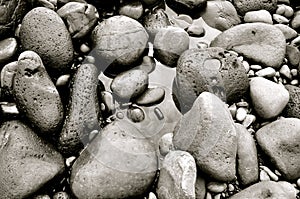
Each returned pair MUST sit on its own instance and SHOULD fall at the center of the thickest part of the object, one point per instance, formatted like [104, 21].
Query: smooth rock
[247, 161]
[243, 6]
[166, 144]
[249, 120]
[259, 42]
[267, 189]
[285, 10]
[80, 18]
[288, 32]
[280, 19]
[8, 48]
[263, 176]
[119, 163]
[266, 72]
[7, 77]
[270, 173]
[293, 55]
[35, 94]
[135, 114]
[44, 32]
[190, 8]
[200, 187]
[148, 64]
[207, 131]
[82, 116]
[216, 187]
[295, 22]
[211, 69]
[195, 30]
[285, 71]
[258, 16]
[292, 109]
[151, 96]
[132, 9]
[241, 114]
[27, 162]
[130, 84]
[119, 42]
[221, 15]
[282, 147]
[268, 98]
[177, 176]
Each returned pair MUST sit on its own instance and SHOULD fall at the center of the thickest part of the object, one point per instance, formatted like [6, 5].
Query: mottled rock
[177, 176]
[8, 48]
[7, 75]
[151, 96]
[268, 98]
[295, 22]
[247, 161]
[45, 33]
[211, 69]
[187, 7]
[220, 15]
[243, 6]
[135, 114]
[130, 84]
[288, 32]
[207, 131]
[119, 42]
[259, 42]
[258, 16]
[293, 55]
[83, 111]
[168, 52]
[35, 94]
[292, 109]
[282, 147]
[119, 163]
[80, 18]
[27, 162]
[267, 189]
[133, 9]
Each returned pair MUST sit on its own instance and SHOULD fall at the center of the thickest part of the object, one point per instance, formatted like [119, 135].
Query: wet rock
[243, 6]
[292, 109]
[247, 162]
[221, 15]
[268, 98]
[35, 94]
[288, 32]
[177, 176]
[168, 52]
[133, 9]
[80, 18]
[7, 74]
[82, 115]
[148, 64]
[8, 48]
[281, 147]
[151, 96]
[45, 33]
[195, 30]
[187, 7]
[119, 163]
[207, 131]
[166, 144]
[258, 16]
[135, 114]
[259, 42]
[27, 162]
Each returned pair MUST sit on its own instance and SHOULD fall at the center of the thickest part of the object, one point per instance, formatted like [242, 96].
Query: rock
[80, 18]
[121, 164]
[27, 162]
[258, 16]
[177, 176]
[295, 22]
[190, 8]
[280, 19]
[270, 173]
[221, 15]
[168, 52]
[151, 96]
[243, 6]
[249, 120]
[293, 55]
[195, 30]
[266, 72]
[281, 147]
[247, 161]
[200, 188]
[8, 48]
[285, 71]
[45, 33]
[130, 84]
[216, 187]
[259, 42]
[82, 116]
[166, 144]
[207, 132]
[292, 109]
[267, 189]
[148, 65]
[61, 195]
[285, 10]
[133, 9]
[119, 42]
[288, 32]
[7, 75]
[135, 114]
[241, 114]
[268, 98]
[35, 94]
[211, 69]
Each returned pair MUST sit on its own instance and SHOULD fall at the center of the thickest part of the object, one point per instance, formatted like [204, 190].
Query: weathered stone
[292, 109]
[243, 6]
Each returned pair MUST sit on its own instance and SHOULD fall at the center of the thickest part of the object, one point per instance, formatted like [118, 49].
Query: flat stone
[151, 96]
[292, 109]
[267, 189]
[288, 32]
[8, 48]
[177, 176]
[268, 98]
[221, 15]
[27, 162]
[266, 72]
[258, 16]
[262, 43]
[282, 147]
[243, 6]
[207, 131]
[247, 161]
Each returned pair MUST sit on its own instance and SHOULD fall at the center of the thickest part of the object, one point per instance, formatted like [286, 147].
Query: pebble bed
[150, 99]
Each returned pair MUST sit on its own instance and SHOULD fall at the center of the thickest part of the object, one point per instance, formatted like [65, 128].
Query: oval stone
[8, 48]
[151, 96]
[243, 6]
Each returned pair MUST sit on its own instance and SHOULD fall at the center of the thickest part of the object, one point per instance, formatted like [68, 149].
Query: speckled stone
[119, 163]
[282, 147]
[292, 109]
[243, 6]
[259, 42]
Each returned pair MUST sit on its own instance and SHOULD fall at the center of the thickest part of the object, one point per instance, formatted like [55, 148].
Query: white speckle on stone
[241, 114]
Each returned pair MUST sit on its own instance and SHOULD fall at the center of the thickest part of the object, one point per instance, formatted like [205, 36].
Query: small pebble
[258, 16]
[246, 66]
[41, 197]
[120, 115]
[285, 71]
[70, 161]
[277, 172]
[92, 134]
[166, 144]
[90, 59]
[152, 196]
[61, 195]
[298, 182]
[108, 101]
[186, 18]
[289, 12]
[294, 72]
[296, 41]
[241, 114]
[202, 45]
[294, 82]
[256, 67]
[208, 196]
[249, 120]
[216, 187]
[62, 80]
[84, 48]
[288, 32]
[136, 114]
[233, 110]
[251, 73]
[230, 187]
[158, 113]
[266, 72]
[8, 48]
[280, 19]
[242, 104]
[271, 174]
[132, 9]
[263, 176]
[195, 30]
[218, 196]
[280, 10]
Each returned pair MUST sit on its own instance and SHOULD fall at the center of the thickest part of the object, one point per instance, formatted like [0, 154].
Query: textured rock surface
[259, 42]
[282, 146]
[292, 109]
[177, 176]
[186, 7]
[244, 6]
[27, 162]
[207, 131]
